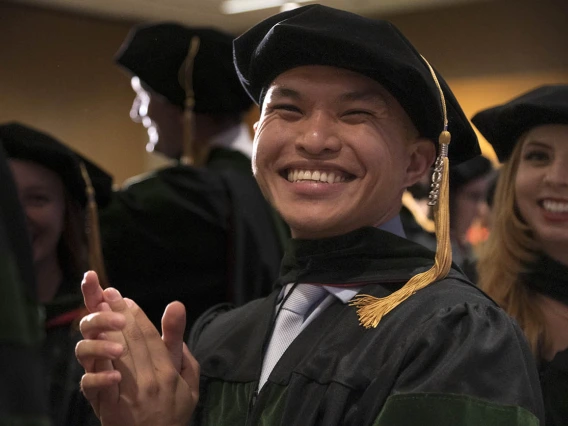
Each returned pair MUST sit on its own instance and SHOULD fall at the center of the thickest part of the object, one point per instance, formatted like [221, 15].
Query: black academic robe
[68, 406]
[189, 234]
[554, 381]
[446, 356]
[549, 277]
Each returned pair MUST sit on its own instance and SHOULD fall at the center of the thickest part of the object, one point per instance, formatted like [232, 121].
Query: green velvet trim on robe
[439, 409]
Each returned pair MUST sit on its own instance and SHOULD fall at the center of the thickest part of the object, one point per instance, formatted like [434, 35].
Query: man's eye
[285, 107]
[357, 116]
[358, 112]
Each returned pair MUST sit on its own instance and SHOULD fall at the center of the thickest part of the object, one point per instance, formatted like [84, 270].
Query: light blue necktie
[289, 324]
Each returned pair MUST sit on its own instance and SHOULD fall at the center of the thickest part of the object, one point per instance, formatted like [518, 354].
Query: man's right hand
[134, 376]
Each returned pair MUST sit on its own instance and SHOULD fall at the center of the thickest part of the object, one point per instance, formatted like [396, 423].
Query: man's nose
[318, 135]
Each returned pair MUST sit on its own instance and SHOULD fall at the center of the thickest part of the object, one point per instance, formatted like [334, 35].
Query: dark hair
[72, 248]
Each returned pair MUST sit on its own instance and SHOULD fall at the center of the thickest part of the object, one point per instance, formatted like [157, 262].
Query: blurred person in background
[468, 190]
[469, 183]
[524, 263]
[54, 195]
[191, 231]
[22, 400]
[415, 214]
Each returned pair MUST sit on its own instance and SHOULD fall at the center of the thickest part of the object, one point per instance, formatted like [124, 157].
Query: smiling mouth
[302, 175]
[554, 206]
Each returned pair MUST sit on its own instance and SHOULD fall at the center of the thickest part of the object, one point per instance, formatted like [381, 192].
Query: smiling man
[365, 327]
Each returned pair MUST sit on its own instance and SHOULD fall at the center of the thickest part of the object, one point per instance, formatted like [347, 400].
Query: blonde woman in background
[524, 264]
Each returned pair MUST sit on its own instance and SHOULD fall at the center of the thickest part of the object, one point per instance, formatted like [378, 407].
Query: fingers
[163, 357]
[135, 364]
[88, 351]
[101, 322]
[173, 327]
[93, 383]
[92, 292]
[190, 372]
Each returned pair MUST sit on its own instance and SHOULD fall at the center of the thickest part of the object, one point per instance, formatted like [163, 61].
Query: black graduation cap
[156, 53]
[320, 35]
[468, 171]
[504, 124]
[26, 143]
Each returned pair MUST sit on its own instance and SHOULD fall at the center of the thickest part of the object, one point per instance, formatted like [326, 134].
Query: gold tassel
[190, 154]
[96, 260]
[371, 309]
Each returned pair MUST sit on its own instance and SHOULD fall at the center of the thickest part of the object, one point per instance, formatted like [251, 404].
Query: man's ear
[422, 156]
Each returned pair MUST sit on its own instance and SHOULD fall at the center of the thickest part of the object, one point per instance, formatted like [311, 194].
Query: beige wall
[490, 52]
[57, 71]
[57, 74]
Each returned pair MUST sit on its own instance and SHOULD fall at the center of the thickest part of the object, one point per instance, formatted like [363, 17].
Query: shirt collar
[343, 294]
[394, 226]
[236, 138]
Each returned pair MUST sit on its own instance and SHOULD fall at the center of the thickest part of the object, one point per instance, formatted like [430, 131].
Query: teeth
[315, 175]
[555, 206]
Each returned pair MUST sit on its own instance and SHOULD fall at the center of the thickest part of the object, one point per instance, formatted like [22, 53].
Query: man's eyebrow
[366, 95]
[284, 92]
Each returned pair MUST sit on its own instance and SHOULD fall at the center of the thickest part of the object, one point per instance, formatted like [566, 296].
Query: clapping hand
[132, 375]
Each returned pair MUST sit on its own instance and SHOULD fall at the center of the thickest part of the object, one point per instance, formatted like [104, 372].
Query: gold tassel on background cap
[372, 309]
[190, 155]
[96, 261]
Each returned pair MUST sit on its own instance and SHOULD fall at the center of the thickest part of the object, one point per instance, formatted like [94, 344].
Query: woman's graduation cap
[320, 35]
[25, 143]
[504, 124]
